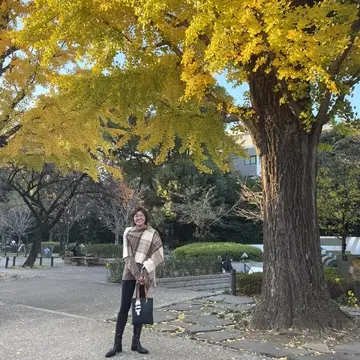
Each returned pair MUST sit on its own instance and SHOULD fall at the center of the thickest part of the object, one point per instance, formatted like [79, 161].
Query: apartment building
[249, 166]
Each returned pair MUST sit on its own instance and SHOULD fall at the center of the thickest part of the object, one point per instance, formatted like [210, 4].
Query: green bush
[55, 244]
[250, 284]
[115, 270]
[207, 249]
[104, 250]
[171, 268]
[189, 267]
[337, 284]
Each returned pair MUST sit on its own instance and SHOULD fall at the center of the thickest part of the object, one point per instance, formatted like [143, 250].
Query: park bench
[84, 261]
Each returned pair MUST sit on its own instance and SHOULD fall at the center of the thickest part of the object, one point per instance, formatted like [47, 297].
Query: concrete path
[66, 312]
[213, 320]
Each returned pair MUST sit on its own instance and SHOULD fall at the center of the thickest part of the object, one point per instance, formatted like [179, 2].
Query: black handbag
[142, 308]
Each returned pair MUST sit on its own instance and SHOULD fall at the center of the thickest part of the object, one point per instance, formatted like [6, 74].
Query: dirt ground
[293, 338]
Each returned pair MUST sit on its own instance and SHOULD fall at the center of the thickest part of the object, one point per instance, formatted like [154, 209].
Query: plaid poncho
[141, 246]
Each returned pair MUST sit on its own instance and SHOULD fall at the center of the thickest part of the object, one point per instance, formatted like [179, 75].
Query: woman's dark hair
[144, 211]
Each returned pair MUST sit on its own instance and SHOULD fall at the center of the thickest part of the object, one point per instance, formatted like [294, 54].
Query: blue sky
[237, 92]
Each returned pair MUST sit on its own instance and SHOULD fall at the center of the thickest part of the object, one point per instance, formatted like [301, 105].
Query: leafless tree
[18, 220]
[15, 217]
[198, 206]
[119, 202]
[78, 208]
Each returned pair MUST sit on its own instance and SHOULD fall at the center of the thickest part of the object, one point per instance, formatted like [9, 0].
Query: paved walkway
[212, 320]
[68, 312]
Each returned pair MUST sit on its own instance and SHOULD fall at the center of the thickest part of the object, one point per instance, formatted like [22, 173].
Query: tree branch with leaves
[338, 190]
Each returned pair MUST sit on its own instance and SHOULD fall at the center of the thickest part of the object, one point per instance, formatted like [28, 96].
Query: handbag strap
[146, 289]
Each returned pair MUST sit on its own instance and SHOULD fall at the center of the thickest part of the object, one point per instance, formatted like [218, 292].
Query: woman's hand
[141, 280]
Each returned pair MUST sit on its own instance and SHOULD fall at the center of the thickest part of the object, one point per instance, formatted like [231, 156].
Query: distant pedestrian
[13, 246]
[227, 264]
[143, 252]
[76, 250]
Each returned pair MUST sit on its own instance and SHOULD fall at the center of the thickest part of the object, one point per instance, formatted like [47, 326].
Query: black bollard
[52, 261]
[14, 260]
[40, 260]
[7, 262]
[233, 282]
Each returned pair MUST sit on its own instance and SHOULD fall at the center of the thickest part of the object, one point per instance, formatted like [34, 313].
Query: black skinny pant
[127, 293]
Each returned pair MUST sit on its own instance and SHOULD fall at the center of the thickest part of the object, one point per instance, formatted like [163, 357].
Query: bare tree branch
[251, 204]
[198, 206]
[119, 202]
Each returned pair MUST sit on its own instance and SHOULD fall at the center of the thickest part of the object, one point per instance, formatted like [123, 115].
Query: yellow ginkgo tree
[19, 71]
[148, 67]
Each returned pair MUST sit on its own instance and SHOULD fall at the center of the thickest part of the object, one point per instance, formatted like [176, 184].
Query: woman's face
[139, 218]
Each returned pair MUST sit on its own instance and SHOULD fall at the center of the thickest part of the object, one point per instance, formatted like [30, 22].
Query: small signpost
[47, 251]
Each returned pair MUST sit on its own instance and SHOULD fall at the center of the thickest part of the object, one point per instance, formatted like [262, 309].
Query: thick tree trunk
[36, 246]
[343, 240]
[294, 293]
[343, 245]
[117, 239]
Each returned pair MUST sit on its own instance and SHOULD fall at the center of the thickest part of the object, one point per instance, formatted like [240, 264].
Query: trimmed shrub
[189, 267]
[250, 284]
[208, 249]
[70, 248]
[55, 244]
[104, 250]
[171, 268]
[115, 270]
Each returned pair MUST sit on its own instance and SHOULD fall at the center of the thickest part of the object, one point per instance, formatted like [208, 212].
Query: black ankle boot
[135, 345]
[120, 326]
[117, 349]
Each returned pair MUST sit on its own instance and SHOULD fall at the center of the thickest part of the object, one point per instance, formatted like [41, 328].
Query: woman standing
[142, 252]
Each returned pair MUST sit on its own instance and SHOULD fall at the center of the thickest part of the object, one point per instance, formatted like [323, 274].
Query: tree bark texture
[343, 239]
[294, 293]
[36, 246]
[343, 245]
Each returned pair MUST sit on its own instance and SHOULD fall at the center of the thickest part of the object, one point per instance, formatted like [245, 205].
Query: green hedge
[337, 285]
[55, 244]
[104, 250]
[171, 268]
[115, 270]
[234, 250]
[250, 284]
[189, 267]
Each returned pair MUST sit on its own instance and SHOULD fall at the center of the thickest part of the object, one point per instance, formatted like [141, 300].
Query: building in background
[250, 166]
